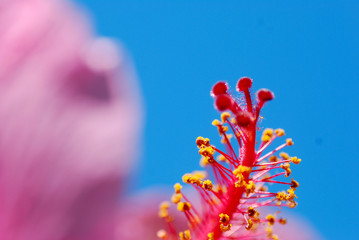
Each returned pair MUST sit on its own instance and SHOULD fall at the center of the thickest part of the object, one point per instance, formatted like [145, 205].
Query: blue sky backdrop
[307, 52]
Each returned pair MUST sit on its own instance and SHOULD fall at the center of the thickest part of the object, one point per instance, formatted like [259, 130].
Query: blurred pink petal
[69, 120]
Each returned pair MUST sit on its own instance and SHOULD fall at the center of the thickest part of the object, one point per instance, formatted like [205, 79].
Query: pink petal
[69, 120]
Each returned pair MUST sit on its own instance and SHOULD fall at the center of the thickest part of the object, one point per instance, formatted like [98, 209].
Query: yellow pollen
[223, 218]
[187, 178]
[291, 194]
[186, 235]
[200, 174]
[176, 198]
[201, 141]
[210, 236]
[267, 135]
[281, 196]
[162, 234]
[249, 224]
[165, 205]
[206, 151]
[294, 184]
[286, 166]
[241, 169]
[225, 116]
[177, 187]
[275, 237]
[163, 213]
[282, 221]
[268, 132]
[229, 137]
[221, 158]
[280, 132]
[289, 142]
[273, 158]
[225, 228]
[216, 123]
[266, 138]
[252, 213]
[263, 188]
[204, 161]
[271, 219]
[250, 187]
[296, 160]
[284, 155]
[208, 185]
[183, 206]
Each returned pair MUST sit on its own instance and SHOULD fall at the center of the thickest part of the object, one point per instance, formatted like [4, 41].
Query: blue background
[306, 52]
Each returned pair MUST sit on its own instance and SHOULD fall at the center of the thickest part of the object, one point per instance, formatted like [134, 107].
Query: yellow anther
[281, 196]
[221, 189]
[200, 174]
[210, 236]
[206, 151]
[240, 182]
[187, 178]
[267, 135]
[163, 209]
[233, 120]
[162, 234]
[271, 219]
[221, 158]
[229, 137]
[294, 184]
[225, 116]
[289, 141]
[208, 185]
[183, 206]
[266, 138]
[252, 213]
[250, 187]
[216, 123]
[282, 221]
[286, 166]
[263, 188]
[296, 160]
[279, 132]
[196, 180]
[275, 237]
[225, 228]
[268, 132]
[201, 141]
[186, 235]
[204, 161]
[292, 204]
[223, 218]
[291, 194]
[163, 213]
[284, 155]
[241, 169]
[273, 158]
[165, 205]
[249, 224]
[176, 198]
[177, 188]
